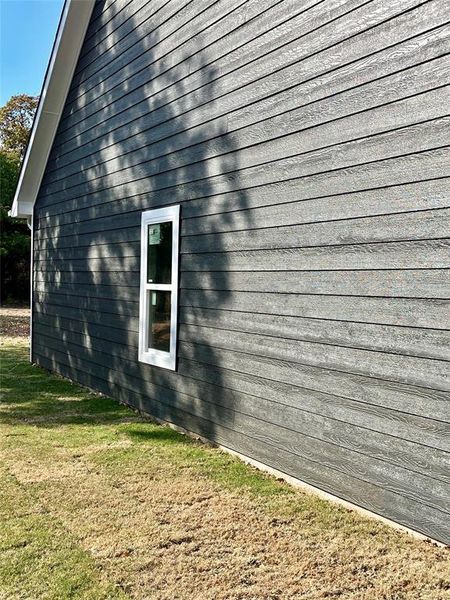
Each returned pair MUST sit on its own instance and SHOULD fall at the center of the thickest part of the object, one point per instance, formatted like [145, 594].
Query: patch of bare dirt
[14, 322]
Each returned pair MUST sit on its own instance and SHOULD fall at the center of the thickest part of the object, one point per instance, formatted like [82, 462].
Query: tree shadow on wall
[155, 138]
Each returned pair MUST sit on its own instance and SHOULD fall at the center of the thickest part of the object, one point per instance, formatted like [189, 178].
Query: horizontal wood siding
[308, 146]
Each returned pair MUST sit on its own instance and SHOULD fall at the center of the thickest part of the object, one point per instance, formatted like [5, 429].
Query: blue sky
[27, 31]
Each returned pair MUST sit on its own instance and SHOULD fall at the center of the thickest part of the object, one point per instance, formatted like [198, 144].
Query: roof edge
[64, 57]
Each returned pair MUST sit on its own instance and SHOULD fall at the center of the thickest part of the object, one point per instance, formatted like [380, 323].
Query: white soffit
[69, 39]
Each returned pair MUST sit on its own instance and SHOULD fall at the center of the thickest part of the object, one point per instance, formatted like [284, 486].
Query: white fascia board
[69, 39]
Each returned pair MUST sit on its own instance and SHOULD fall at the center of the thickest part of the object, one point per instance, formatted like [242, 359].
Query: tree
[9, 173]
[15, 236]
[16, 118]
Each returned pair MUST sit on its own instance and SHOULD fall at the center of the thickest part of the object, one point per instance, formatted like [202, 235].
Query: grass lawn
[96, 502]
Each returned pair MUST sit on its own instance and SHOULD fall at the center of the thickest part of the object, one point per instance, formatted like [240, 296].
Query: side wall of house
[307, 144]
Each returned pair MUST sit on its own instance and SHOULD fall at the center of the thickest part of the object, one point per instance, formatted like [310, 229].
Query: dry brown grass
[162, 517]
[180, 536]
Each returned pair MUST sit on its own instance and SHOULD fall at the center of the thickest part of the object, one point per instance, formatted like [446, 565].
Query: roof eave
[69, 39]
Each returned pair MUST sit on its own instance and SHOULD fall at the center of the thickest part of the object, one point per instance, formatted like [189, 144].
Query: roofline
[64, 57]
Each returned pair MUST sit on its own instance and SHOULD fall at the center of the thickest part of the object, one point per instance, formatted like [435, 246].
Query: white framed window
[158, 307]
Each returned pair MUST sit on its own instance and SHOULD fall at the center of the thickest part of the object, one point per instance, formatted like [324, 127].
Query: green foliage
[15, 236]
[15, 122]
[16, 118]
[9, 172]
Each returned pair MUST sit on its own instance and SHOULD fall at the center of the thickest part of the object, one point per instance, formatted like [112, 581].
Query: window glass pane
[159, 320]
[159, 253]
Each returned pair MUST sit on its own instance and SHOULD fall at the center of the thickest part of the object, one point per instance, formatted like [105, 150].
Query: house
[239, 211]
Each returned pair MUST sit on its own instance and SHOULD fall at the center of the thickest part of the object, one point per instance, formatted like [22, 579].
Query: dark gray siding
[308, 145]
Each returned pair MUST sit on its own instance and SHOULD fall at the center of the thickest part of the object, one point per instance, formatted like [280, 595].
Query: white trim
[69, 39]
[159, 358]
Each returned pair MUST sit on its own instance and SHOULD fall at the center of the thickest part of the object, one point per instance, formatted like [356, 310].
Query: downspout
[30, 222]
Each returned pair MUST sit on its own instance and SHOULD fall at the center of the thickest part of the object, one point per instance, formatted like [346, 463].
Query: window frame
[159, 358]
